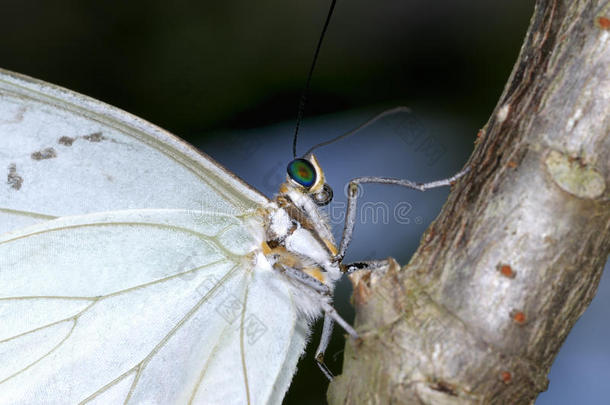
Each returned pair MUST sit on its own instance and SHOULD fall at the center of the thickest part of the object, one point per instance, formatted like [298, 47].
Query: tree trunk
[516, 254]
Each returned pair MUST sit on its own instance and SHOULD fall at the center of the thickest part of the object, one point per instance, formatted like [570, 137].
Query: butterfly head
[306, 176]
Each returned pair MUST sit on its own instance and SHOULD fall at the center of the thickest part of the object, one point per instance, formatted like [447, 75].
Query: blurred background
[227, 77]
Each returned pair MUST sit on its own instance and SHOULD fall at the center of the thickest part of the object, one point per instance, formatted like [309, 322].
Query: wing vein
[73, 317]
[146, 360]
[74, 321]
[241, 342]
[107, 386]
[126, 290]
[27, 213]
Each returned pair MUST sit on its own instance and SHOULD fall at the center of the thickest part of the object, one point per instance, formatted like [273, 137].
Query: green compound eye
[302, 172]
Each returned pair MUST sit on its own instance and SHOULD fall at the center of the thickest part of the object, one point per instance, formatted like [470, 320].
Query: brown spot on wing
[13, 179]
[66, 141]
[46, 153]
[95, 137]
[17, 118]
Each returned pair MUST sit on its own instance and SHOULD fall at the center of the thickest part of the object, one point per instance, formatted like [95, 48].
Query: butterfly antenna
[360, 127]
[303, 99]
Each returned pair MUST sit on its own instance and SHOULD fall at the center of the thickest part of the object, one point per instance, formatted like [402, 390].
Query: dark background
[193, 66]
[227, 77]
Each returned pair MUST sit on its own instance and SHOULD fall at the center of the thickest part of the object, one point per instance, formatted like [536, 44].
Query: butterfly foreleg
[330, 314]
[307, 280]
[323, 289]
[352, 200]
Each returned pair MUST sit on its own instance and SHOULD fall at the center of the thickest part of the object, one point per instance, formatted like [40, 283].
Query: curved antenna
[362, 126]
[304, 94]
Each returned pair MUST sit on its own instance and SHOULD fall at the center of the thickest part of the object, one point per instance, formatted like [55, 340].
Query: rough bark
[516, 254]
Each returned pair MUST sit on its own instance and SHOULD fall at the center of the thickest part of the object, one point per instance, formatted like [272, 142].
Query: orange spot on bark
[507, 271]
[603, 22]
[519, 317]
[512, 164]
[479, 137]
[506, 377]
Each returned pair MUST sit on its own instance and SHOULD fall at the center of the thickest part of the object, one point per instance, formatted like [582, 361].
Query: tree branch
[515, 257]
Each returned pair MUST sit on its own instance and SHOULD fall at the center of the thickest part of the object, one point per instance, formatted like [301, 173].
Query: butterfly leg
[330, 314]
[327, 330]
[323, 289]
[352, 198]
[330, 317]
[307, 280]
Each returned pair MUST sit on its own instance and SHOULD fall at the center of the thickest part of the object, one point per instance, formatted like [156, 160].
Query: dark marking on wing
[13, 179]
[95, 137]
[17, 118]
[66, 141]
[46, 153]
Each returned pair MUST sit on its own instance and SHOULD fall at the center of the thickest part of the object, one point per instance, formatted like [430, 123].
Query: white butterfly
[112, 290]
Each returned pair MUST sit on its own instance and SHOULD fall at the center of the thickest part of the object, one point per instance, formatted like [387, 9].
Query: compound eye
[324, 196]
[302, 172]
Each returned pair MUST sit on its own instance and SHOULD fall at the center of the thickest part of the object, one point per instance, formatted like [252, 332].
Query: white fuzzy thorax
[305, 244]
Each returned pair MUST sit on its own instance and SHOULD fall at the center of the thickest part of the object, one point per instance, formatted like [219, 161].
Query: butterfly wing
[128, 297]
[145, 306]
[64, 154]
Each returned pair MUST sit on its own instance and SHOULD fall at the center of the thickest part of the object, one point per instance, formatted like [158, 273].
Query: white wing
[62, 153]
[128, 306]
[147, 306]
